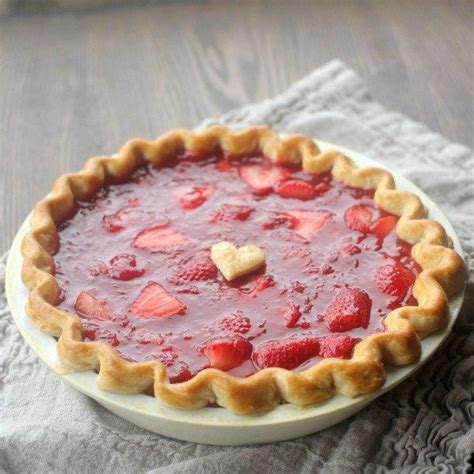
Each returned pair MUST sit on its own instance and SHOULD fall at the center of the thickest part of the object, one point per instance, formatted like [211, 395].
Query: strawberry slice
[180, 373]
[359, 217]
[155, 301]
[286, 353]
[296, 189]
[94, 333]
[350, 309]
[167, 356]
[309, 222]
[337, 346]
[263, 282]
[124, 267]
[321, 188]
[411, 301]
[198, 270]
[121, 267]
[279, 219]
[191, 197]
[383, 226]
[114, 222]
[119, 220]
[292, 315]
[88, 307]
[395, 280]
[227, 353]
[133, 202]
[191, 156]
[349, 248]
[158, 237]
[146, 337]
[231, 212]
[223, 165]
[89, 332]
[261, 179]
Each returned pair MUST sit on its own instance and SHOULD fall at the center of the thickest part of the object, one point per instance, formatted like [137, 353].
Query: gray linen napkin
[427, 422]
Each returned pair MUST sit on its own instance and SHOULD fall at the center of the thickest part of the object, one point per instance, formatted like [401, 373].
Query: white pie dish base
[216, 425]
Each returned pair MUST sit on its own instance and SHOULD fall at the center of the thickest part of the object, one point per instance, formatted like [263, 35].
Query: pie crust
[444, 274]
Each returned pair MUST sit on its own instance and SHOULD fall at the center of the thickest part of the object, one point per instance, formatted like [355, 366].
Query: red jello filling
[134, 264]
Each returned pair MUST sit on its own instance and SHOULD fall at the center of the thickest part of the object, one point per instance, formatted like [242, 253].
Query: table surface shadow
[79, 82]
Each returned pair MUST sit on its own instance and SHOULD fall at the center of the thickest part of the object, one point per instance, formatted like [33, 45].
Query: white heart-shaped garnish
[234, 262]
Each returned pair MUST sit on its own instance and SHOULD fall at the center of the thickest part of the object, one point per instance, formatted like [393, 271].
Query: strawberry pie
[237, 269]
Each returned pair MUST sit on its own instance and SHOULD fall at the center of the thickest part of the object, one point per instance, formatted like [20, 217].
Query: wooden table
[80, 82]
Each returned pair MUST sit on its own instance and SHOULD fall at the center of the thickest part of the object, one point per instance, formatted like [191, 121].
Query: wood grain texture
[80, 82]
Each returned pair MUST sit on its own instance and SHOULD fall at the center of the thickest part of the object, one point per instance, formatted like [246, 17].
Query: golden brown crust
[444, 273]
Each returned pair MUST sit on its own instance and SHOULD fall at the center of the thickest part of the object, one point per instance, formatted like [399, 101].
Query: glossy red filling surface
[134, 264]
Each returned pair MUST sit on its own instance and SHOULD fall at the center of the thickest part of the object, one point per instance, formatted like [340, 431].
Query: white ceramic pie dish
[216, 425]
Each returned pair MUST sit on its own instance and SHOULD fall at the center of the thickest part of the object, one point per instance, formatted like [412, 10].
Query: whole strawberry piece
[227, 353]
[395, 280]
[286, 353]
[359, 217]
[337, 346]
[350, 309]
